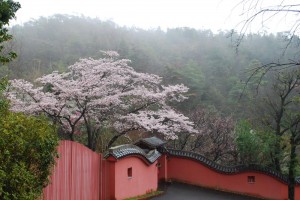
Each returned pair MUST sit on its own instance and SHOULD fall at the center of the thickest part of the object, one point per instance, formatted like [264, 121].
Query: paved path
[179, 191]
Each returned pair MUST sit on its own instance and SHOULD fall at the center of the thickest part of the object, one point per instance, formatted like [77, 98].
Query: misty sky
[201, 14]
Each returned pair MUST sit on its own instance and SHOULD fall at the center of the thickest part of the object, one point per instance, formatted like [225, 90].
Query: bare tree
[264, 16]
[282, 116]
[215, 137]
[283, 104]
[294, 142]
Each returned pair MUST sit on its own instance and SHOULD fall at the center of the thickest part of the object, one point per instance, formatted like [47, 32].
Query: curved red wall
[144, 177]
[83, 174]
[195, 173]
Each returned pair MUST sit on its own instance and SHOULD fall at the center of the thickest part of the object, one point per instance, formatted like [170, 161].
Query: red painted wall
[104, 180]
[297, 192]
[76, 175]
[195, 173]
[110, 179]
[163, 168]
[83, 174]
[144, 177]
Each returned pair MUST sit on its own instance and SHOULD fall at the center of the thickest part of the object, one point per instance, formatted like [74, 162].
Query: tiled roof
[228, 170]
[121, 151]
[151, 142]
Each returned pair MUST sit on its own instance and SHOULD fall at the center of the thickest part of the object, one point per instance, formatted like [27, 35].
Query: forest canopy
[204, 61]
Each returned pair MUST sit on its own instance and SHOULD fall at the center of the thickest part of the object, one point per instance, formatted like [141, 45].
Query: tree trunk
[72, 132]
[277, 155]
[71, 137]
[291, 187]
[91, 139]
[112, 141]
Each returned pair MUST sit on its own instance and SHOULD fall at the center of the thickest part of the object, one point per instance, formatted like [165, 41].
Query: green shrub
[27, 154]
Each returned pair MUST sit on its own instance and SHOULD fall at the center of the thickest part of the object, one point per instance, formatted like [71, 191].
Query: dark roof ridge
[125, 150]
[226, 169]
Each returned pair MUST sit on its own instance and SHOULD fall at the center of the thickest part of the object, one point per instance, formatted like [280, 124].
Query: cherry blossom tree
[103, 93]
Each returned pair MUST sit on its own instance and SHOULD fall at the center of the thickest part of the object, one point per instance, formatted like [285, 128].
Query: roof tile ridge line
[194, 156]
[297, 180]
[230, 169]
[139, 152]
[152, 153]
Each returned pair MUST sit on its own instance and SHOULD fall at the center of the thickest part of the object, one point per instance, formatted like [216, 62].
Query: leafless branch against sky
[264, 15]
